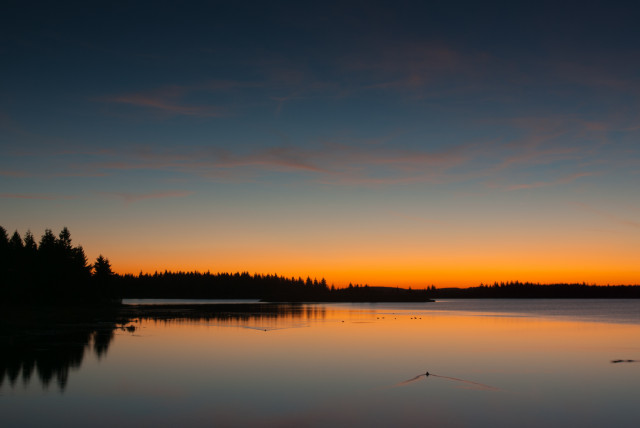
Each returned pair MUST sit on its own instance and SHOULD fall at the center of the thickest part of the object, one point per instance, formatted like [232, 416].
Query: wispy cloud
[408, 65]
[168, 105]
[41, 196]
[175, 99]
[546, 140]
[327, 162]
[538, 184]
[359, 162]
[563, 144]
[136, 197]
[13, 173]
[275, 157]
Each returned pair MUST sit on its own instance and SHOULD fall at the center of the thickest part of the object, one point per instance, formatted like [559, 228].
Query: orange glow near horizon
[405, 262]
[396, 273]
[377, 252]
[400, 255]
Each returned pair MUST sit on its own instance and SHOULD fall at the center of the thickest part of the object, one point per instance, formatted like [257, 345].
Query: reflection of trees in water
[49, 345]
[237, 314]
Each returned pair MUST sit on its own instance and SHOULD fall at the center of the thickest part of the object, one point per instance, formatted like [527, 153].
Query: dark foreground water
[493, 363]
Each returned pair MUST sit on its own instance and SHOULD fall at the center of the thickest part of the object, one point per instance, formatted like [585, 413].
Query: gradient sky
[388, 143]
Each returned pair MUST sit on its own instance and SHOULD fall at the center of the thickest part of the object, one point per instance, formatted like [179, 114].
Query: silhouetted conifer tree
[52, 270]
[4, 262]
[29, 242]
[47, 241]
[64, 239]
[102, 268]
[15, 243]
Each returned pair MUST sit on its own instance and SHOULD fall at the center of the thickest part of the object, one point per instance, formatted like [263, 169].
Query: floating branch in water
[625, 361]
[455, 379]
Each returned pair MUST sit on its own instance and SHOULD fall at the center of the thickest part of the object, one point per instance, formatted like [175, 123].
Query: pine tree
[29, 242]
[64, 239]
[102, 268]
[15, 243]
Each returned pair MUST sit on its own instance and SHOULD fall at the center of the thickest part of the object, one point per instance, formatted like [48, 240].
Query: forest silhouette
[529, 290]
[272, 288]
[54, 271]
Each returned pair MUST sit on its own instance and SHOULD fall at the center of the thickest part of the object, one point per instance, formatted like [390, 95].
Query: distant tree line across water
[273, 288]
[529, 290]
[280, 288]
[53, 270]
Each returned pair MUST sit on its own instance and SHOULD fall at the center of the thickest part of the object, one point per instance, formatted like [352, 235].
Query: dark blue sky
[263, 127]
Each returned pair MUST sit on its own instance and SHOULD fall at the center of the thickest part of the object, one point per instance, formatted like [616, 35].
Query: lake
[493, 363]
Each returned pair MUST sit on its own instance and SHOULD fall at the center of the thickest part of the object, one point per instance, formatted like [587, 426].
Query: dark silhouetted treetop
[64, 239]
[47, 241]
[15, 243]
[4, 238]
[102, 268]
[29, 242]
[51, 271]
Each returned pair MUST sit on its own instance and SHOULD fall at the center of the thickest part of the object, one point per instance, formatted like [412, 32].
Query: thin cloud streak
[328, 162]
[171, 99]
[128, 198]
[277, 157]
[38, 196]
[16, 174]
[538, 184]
[140, 100]
[354, 164]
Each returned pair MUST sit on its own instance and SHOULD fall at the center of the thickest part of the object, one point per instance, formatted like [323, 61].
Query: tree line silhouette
[55, 270]
[530, 290]
[273, 288]
[279, 288]
[51, 270]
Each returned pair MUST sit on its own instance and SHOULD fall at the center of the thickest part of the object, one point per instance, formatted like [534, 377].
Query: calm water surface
[527, 363]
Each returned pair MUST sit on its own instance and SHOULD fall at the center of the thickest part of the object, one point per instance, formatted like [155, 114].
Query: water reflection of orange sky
[349, 361]
[437, 338]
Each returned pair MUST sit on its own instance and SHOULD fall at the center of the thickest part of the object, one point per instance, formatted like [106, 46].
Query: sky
[387, 143]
